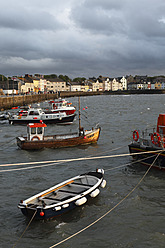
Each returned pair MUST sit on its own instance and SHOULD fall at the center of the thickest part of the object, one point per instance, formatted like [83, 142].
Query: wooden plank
[56, 188]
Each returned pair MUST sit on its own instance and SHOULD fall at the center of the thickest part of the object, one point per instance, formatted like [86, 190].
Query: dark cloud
[82, 38]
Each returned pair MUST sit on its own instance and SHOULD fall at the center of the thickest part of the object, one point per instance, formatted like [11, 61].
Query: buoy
[95, 193]
[100, 171]
[41, 213]
[103, 184]
[83, 108]
[81, 201]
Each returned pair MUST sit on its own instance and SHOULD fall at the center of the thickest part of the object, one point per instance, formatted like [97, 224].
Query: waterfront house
[56, 85]
[163, 85]
[132, 86]
[75, 86]
[106, 83]
[123, 80]
[116, 85]
[95, 85]
[39, 85]
[84, 86]
[158, 85]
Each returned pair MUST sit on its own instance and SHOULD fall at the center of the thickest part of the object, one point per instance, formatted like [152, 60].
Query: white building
[75, 86]
[124, 83]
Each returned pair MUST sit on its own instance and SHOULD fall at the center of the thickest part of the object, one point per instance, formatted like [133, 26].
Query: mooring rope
[84, 158]
[25, 229]
[94, 222]
[132, 162]
[55, 162]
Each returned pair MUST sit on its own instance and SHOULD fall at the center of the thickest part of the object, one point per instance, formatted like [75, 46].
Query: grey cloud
[25, 20]
[82, 38]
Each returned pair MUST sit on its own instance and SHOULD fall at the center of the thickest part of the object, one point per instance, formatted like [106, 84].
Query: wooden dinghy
[64, 196]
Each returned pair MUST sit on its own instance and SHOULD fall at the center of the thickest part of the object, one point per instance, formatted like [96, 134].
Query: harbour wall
[7, 102]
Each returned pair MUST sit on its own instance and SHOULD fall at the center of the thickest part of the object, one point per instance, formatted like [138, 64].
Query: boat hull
[64, 120]
[147, 159]
[48, 213]
[56, 142]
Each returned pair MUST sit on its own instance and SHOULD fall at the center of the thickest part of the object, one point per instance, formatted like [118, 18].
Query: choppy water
[138, 222]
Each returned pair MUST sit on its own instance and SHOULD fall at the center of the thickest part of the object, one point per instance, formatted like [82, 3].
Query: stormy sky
[82, 37]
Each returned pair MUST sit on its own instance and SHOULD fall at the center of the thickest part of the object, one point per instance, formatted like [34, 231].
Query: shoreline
[20, 100]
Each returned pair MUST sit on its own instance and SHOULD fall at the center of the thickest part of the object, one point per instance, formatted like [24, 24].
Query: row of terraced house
[34, 85]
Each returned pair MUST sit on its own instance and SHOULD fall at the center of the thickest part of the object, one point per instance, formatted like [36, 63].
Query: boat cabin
[35, 131]
[161, 124]
[60, 103]
[35, 111]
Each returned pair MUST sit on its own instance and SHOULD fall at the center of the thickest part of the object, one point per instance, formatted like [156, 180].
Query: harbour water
[137, 222]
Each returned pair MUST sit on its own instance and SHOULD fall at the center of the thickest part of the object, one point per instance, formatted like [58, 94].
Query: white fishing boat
[34, 115]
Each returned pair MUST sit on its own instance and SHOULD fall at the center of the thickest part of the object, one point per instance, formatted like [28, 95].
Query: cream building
[96, 85]
[56, 85]
[116, 85]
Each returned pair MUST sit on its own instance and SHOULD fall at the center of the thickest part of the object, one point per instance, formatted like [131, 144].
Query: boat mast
[79, 115]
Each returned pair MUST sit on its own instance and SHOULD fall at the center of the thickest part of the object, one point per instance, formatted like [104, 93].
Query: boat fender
[35, 138]
[100, 171]
[135, 135]
[57, 208]
[95, 193]
[103, 184]
[65, 205]
[81, 201]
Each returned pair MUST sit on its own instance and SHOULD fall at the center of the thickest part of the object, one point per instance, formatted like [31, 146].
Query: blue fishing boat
[64, 196]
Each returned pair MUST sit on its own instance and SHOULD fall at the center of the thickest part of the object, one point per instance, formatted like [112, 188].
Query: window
[39, 130]
[33, 130]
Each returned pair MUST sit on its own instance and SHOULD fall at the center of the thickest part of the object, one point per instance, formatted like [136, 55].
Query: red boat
[146, 145]
[61, 105]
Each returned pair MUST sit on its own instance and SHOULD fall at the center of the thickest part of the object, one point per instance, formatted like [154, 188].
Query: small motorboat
[60, 105]
[64, 196]
[146, 145]
[34, 115]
